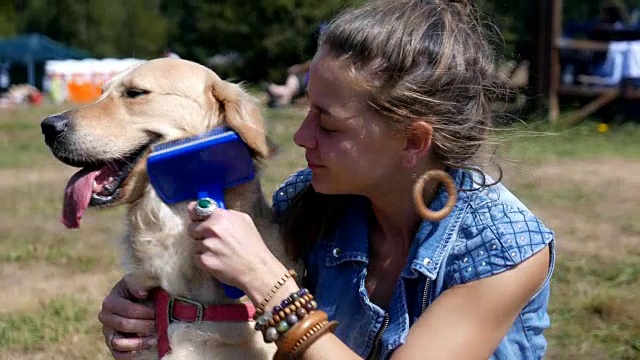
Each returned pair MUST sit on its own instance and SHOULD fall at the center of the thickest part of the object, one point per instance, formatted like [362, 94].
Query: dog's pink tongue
[77, 195]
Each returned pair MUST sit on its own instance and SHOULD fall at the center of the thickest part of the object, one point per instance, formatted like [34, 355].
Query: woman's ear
[418, 143]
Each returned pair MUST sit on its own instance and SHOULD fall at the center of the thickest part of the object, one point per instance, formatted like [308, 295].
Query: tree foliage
[266, 35]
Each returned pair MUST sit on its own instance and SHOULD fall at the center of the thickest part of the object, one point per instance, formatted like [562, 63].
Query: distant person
[608, 64]
[58, 89]
[613, 16]
[5, 78]
[295, 85]
[170, 54]
[293, 88]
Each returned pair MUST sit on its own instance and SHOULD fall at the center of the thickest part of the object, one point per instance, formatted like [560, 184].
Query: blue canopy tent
[33, 48]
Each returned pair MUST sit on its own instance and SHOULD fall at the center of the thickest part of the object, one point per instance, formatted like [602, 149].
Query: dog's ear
[242, 113]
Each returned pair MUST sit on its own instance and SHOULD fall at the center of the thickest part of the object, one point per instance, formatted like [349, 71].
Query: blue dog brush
[201, 167]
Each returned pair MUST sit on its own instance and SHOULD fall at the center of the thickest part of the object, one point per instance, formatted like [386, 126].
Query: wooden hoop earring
[418, 195]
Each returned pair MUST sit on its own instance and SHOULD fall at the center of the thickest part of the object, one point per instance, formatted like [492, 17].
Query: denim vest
[489, 231]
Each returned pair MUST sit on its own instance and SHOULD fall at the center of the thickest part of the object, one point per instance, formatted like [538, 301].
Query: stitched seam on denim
[372, 308]
[345, 257]
[460, 208]
[552, 263]
[397, 340]
[509, 212]
[523, 251]
[457, 277]
[431, 271]
[526, 335]
[453, 229]
[497, 237]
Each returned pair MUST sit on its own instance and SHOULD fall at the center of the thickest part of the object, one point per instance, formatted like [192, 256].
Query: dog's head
[157, 101]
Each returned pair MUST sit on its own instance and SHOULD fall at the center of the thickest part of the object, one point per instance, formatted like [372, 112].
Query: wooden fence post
[554, 73]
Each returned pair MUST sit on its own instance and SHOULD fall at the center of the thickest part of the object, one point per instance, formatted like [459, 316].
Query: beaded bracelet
[260, 309]
[282, 317]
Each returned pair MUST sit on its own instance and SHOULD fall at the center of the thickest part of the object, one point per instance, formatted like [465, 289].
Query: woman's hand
[127, 326]
[229, 247]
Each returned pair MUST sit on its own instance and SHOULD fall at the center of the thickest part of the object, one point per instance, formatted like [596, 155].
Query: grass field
[582, 183]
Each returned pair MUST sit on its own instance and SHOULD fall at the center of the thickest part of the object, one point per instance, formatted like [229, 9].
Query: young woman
[397, 88]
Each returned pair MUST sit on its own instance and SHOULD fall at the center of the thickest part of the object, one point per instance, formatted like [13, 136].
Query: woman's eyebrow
[319, 107]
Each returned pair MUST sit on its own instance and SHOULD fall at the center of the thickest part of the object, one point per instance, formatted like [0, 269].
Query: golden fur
[179, 98]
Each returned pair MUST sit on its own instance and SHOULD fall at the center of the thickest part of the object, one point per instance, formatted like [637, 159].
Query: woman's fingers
[118, 355]
[126, 325]
[125, 347]
[199, 229]
[130, 289]
[193, 215]
[126, 316]
[123, 307]
[194, 230]
[206, 260]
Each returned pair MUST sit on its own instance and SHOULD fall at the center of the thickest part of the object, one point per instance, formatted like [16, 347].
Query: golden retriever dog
[158, 101]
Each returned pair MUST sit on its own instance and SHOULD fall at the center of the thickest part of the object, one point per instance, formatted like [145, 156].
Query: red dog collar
[173, 308]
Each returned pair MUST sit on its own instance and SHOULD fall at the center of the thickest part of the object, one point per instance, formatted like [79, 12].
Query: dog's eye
[134, 93]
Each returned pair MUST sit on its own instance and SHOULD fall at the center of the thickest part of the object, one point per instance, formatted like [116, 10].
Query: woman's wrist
[271, 285]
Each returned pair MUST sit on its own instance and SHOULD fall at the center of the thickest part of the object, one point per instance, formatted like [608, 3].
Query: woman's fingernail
[142, 293]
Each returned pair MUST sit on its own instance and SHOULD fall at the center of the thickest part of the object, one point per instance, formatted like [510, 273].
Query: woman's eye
[326, 129]
[134, 93]
[321, 119]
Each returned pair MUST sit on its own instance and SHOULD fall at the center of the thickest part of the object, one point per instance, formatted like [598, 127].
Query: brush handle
[231, 292]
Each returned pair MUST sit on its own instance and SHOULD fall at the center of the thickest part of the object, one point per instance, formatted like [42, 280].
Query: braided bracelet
[260, 309]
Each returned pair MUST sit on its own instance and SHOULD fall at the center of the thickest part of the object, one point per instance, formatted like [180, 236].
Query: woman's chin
[322, 187]
[324, 182]
[329, 188]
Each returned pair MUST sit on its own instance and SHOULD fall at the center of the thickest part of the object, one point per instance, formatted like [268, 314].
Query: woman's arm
[468, 321]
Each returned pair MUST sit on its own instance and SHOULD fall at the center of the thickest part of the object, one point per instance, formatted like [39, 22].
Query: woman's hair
[417, 60]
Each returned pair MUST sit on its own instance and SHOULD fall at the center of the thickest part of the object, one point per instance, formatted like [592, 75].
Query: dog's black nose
[53, 126]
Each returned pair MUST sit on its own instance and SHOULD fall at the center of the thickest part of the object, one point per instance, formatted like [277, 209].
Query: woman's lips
[313, 165]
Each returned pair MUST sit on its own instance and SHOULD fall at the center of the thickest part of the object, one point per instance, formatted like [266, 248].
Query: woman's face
[348, 146]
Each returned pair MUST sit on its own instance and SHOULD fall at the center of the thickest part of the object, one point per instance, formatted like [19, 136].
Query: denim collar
[350, 239]
[349, 242]
[428, 254]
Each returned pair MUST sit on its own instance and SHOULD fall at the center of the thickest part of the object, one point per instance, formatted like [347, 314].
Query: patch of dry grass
[594, 307]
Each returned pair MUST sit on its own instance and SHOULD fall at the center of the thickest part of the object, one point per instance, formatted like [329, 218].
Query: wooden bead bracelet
[282, 317]
[260, 309]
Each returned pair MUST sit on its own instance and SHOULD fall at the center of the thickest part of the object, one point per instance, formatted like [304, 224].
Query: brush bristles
[173, 143]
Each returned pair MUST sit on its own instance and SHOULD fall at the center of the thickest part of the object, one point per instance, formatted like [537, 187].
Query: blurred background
[569, 146]
[67, 49]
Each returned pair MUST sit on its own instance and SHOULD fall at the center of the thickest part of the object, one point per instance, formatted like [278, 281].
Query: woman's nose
[305, 136]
